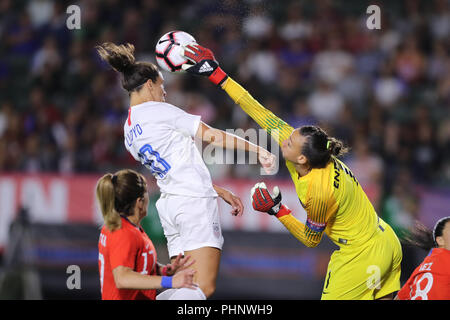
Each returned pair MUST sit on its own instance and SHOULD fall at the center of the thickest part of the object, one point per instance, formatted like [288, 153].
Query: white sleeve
[183, 121]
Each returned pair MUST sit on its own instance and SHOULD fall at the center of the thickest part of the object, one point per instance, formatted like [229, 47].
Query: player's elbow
[308, 243]
[215, 137]
[120, 282]
[311, 244]
[120, 277]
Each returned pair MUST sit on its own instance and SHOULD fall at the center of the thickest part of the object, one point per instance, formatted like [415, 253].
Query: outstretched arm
[274, 126]
[206, 65]
[222, 139]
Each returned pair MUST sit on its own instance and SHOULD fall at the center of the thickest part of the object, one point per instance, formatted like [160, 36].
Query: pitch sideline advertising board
[52, 198]
[258, 252]
[71, 199]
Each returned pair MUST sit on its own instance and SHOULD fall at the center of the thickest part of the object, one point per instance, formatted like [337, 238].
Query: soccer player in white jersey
[160, 136]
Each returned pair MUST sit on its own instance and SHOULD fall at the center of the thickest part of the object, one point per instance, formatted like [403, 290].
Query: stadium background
[386, 93]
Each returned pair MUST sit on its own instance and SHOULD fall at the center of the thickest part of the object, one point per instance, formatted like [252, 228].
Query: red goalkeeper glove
[205, 63]
[263, 201]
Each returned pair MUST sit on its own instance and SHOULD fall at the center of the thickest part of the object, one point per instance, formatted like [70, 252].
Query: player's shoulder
[320, 177]
[126, 230]
[315, 188]
[337, 164]
[152, 113]
[150, 105]
[441, 256]
[157, 109]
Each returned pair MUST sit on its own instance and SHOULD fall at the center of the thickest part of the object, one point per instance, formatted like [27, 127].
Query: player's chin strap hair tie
[114, 179]
[328, 144]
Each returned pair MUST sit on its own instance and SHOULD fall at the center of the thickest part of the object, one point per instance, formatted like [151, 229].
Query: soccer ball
[169, 53]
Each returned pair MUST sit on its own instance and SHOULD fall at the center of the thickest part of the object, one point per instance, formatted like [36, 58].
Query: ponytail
[117, 194]
[106, 198]
[121, 58]
[422, 237]
[419, 236]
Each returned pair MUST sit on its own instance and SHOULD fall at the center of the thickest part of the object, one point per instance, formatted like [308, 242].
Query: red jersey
[431, 279]
[129, 247]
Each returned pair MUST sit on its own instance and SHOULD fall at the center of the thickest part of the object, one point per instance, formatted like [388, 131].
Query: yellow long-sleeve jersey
[333, 199]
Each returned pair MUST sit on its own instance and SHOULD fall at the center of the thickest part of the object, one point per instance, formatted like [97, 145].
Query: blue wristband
[166, 282]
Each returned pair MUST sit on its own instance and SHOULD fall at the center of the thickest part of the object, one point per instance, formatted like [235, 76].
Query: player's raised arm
[310, 234]
[206, 65]
[222, 139]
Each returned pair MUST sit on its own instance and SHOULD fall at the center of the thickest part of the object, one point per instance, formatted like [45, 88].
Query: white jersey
[160, 136]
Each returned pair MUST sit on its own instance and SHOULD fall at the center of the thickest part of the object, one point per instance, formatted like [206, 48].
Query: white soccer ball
[169, 53]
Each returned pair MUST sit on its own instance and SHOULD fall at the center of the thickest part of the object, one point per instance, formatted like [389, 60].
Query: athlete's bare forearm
[126, 278]
[225, 140]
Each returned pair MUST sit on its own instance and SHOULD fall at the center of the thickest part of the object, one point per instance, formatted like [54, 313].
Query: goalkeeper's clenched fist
[263, 201]
[205, 63]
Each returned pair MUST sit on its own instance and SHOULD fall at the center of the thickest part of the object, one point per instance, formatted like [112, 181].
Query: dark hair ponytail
[336, 147]
[422, 237]
[319, 147]
[121, 58]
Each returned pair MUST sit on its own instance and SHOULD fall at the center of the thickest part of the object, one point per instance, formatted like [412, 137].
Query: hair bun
[336, 147]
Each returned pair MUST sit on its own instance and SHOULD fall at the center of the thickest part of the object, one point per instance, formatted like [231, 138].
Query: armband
[315, 226]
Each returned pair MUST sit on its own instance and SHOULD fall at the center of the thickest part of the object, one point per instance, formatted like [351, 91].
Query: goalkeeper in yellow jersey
[367, 264]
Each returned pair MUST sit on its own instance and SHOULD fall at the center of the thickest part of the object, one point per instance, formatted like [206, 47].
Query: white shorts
[189, 223]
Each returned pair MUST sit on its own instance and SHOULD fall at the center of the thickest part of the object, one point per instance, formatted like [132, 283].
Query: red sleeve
[123, 249]
[404, 293]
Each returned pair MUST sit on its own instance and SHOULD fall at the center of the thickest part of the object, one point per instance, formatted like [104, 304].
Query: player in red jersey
[431, 279]
[127, 258]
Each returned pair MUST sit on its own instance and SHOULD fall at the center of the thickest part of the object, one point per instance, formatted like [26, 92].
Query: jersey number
[144, 269]
[153, 161]
[423, 293]
[101, 259]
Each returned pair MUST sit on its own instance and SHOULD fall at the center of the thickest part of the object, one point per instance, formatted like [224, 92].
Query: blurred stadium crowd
[386, 92]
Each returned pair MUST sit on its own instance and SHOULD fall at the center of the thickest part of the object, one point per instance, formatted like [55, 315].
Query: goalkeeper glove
[264, 202]
[205, 63]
